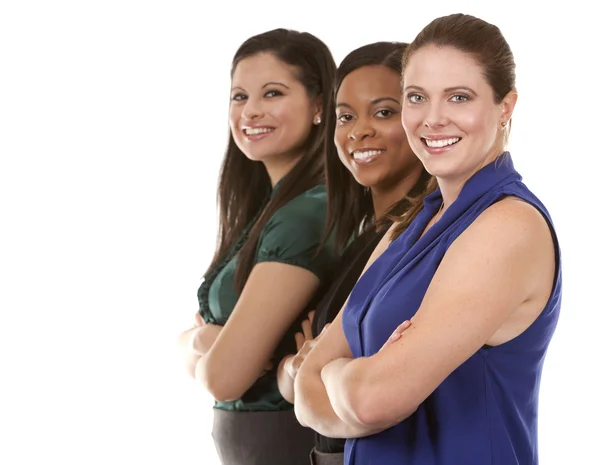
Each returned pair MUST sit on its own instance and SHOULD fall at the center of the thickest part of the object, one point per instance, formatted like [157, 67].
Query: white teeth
[254, 131]
[366, 155]
[441, 142]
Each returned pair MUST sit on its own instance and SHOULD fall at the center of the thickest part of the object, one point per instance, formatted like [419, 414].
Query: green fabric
[292, 236]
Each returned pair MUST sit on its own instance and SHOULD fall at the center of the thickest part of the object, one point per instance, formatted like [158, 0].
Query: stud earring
[503, 124]
[318, 120]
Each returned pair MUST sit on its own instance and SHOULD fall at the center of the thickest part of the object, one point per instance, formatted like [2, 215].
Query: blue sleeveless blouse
[486, 411]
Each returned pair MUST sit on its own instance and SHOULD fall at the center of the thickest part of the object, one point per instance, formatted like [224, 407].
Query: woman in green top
[268, 268]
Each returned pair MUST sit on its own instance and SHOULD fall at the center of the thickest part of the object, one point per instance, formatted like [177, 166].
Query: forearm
[344, 380]
[314, 410]
[224, 375]
[337, 389]
[202, 373]
[285, 382]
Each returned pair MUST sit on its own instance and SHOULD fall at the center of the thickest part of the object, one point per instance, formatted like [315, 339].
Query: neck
[451, 187]
[385, 198]
[278, 169]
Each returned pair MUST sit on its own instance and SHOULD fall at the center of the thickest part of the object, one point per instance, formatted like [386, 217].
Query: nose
[361, 130]
[252, 109]
[436, 116]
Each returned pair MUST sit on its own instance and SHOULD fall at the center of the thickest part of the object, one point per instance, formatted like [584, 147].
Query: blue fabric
[486, 411]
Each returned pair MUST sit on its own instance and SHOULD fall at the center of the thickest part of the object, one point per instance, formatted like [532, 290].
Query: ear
[508, 106]
[317, 117]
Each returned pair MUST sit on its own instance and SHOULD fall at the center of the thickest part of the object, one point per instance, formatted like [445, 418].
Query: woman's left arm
[493, 282]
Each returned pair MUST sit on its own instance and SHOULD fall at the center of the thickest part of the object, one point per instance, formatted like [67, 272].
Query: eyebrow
[374, 102]
[447, 90]
[271, 83]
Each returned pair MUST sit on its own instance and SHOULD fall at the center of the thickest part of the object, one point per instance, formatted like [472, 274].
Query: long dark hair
[350, 205]
[486, 44]
[244, 185]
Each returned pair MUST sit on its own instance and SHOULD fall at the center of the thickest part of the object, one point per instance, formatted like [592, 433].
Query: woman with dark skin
[372, 174]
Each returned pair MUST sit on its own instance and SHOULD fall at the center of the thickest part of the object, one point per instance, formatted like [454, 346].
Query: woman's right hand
[304, 344]
[205, 335]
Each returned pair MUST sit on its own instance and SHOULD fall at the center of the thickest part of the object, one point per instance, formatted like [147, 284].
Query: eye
[459, 98]
[385, 113]
[415, 98]
[344, 118]
[239, 97]
[273, 93]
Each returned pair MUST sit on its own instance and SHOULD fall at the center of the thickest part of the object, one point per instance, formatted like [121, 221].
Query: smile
[437, 143]
[256, 131]
[366, 156]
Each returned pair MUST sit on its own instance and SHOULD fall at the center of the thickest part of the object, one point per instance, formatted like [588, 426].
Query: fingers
[403, 327]
[198, 320]
[299, 341]
[307, 329]
[322, 331]
[397, 334]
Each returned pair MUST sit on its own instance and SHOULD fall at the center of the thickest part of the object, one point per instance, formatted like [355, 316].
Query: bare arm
[313, 405]
[491, 285]
[272, 299]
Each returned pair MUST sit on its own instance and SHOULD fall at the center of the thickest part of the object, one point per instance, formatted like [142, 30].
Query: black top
[350, 267]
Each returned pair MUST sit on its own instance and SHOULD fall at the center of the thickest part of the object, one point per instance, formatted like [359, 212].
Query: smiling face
[369, 136]
[451, 119]
[270, 114]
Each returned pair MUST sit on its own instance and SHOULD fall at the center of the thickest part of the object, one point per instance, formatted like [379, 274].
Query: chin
[255, 155]
[365, 181]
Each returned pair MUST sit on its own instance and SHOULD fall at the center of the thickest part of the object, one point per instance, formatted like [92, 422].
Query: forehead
[262, 68]
[372, 80]
[441, 67]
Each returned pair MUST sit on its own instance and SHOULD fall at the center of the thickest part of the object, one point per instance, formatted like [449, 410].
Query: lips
[366, 156]
[257, 130]
[258, 133]
[440, 142]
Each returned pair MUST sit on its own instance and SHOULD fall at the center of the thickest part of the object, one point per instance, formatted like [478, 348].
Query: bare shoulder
[513, 221]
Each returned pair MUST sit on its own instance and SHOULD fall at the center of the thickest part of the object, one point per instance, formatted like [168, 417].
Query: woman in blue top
[477, 273]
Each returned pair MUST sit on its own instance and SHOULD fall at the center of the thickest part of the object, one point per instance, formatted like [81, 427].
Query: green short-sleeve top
[292, 236]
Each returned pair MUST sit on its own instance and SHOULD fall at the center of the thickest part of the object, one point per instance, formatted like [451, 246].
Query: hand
[198, 320]
[304, 343]
[306, 333]
[268, 367]
[397, 334]
[204, 336]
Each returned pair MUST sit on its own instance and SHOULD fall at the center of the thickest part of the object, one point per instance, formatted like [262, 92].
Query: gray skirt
[261, 438]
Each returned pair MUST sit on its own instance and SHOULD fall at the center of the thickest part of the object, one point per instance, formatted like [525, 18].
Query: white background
[113, 123]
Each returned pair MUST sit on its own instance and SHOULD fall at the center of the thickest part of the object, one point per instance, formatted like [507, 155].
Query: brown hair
[244, 185]
[486, 44]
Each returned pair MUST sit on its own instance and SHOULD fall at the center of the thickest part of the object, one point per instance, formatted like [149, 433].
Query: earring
[318, 120]
[503, 124]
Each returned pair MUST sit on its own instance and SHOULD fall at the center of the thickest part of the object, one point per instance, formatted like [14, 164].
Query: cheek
[410, 120]
[234, 117]
[339, 139]
[475, 121]
[395, 137]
